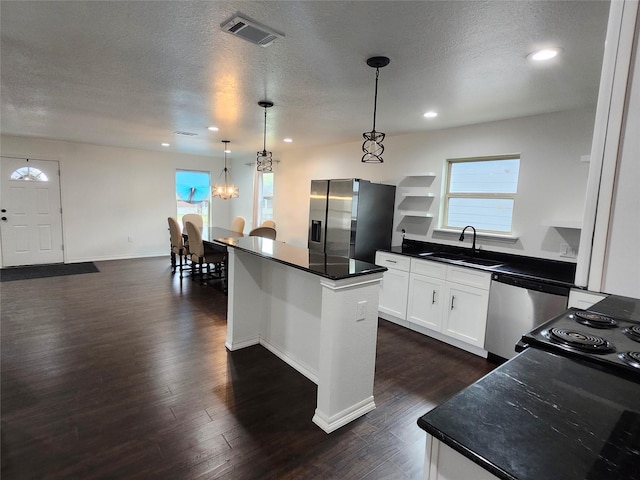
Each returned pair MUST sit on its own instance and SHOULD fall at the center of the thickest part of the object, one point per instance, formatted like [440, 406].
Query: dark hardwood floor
[124, 374]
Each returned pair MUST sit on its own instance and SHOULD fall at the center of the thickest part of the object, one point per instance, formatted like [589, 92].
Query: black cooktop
[601, 340]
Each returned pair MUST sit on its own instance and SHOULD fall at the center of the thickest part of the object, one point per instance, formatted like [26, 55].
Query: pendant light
[228, 189]
[372, 146]
[264, 160]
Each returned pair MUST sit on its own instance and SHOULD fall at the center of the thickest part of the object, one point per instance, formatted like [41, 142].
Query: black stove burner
[633, 332]
[595, 320]
[581, 341]
[630, 358]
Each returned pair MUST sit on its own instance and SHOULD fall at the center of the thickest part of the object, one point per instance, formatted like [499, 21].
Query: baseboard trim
[303, 369]
[331, 424]
[243, 344]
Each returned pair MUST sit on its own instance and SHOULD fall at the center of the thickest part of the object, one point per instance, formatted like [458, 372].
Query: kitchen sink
[458, 258]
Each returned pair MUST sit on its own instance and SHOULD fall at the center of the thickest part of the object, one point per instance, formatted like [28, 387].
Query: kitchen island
[316, 312]
[541, 415]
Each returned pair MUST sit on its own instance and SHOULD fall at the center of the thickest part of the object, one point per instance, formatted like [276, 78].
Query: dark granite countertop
[328, 266]
[543, 416]
[552, 272]
[617, 306]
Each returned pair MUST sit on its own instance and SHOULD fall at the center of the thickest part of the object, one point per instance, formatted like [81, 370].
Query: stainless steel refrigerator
[351, 217]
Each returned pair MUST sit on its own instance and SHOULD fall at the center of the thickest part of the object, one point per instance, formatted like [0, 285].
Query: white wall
[552, 178]
[244, 177]
[109, 194]
[622, 261]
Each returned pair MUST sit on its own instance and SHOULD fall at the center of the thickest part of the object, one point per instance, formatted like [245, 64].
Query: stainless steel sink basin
[463, 259]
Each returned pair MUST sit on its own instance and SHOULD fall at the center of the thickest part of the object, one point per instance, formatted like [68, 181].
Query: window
[265, 200]
[193, 190]
[29, 173]
[481, 192]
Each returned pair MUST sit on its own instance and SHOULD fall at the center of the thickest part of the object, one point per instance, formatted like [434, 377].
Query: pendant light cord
[225, 161]
[264, 138]
[375, 100]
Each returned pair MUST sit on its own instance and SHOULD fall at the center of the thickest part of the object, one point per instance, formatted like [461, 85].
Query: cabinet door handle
[391, 261]
[453, 297]
[433, 298]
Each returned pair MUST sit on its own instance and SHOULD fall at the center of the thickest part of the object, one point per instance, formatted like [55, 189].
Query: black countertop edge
[553, 272]
[542, 415]
[468, 453]
[327, 266]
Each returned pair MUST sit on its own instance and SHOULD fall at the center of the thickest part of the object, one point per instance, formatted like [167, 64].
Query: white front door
[30, 213]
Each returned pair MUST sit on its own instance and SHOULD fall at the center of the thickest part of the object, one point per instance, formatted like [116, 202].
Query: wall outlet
[361, 310]
[130, 238]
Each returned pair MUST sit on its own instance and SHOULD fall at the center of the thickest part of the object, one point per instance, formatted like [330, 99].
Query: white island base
[443, 463]
[324, 328]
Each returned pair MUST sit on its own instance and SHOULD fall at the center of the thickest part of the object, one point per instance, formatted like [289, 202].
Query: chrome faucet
[473, 247]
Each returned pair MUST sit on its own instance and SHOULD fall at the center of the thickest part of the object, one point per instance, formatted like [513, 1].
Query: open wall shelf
[416, 196]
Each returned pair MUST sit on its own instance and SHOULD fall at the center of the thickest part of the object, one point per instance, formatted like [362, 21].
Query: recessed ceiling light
[213, 129]
[288, 140]
[165, 144]
[544, 54]
[431, 114]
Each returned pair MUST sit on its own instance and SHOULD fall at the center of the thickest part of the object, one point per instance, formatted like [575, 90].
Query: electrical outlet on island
[361, 310]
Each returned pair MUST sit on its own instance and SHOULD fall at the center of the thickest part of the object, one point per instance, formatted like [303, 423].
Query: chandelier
[264, 161]
[372, 146]
[228, 189]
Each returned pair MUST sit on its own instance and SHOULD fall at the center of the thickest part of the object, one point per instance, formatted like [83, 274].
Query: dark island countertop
[541, 415]
[328, 266]
[541, 270]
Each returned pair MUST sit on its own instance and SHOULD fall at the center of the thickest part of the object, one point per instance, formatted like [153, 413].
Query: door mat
[42, 271]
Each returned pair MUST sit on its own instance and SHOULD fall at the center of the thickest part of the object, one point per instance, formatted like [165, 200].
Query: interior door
[30, 213]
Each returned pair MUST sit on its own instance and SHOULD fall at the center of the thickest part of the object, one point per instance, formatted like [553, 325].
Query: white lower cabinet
[446, 301]
[466, 317]
[395, 284]
[426, 299]
[444, 463]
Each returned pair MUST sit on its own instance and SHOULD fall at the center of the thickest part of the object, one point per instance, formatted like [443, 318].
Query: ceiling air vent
[251, 31]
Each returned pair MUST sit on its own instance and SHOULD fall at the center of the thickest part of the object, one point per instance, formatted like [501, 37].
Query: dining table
[213, 240]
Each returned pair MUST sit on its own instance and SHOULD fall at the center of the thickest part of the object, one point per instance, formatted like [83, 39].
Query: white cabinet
[449, 299]
[444, 463]
[584, 299]
[427, 292]
[466, 317]
[468, 302]
[426, 297]
[395, 284]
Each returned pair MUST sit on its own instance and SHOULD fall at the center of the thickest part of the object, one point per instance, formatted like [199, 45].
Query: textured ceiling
[130, 73]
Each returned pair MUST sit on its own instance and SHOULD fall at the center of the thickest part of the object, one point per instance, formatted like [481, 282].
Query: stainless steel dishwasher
[516, 306]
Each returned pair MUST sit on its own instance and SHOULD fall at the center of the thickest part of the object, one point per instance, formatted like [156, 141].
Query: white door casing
[31, 225]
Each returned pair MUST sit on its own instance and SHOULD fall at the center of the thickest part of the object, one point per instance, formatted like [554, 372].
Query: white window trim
[507, 238]
[445, 228]
[257, 198]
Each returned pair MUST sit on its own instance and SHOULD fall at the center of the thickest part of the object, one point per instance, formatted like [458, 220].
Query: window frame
[203, 208]
[261, 197]
[478, 195]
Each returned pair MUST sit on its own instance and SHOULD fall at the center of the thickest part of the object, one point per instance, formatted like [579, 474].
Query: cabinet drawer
[469, 276]
[429, 268]
[390, 260]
